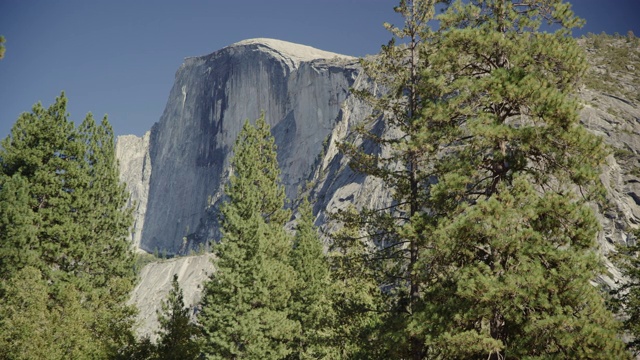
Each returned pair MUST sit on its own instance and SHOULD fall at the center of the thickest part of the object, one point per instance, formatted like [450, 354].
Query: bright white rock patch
[291, 52]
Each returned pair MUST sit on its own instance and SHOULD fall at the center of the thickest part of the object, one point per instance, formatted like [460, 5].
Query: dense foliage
[246, 303]
[178, 336]
[488, 250]
[63, 237]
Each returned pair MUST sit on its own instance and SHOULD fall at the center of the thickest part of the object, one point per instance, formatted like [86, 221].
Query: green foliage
[311, 301]
[143, 259]
[626, 299]
[62, 214]
[516, 271]
[178, 337]
[357, 296]
[2, 48]
[34, 327]
[245, 308]
[487, 249]
[399, 161]
[142, 349]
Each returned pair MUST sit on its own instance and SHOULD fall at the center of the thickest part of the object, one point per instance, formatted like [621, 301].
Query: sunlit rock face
[300, 90]
[135, 171]
[176, 172]
[155, 283]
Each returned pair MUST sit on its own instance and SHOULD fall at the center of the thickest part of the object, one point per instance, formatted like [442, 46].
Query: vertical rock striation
[299, 88]
[132, 153]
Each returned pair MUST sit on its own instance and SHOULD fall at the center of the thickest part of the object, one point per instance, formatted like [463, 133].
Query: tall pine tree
[513, 254]
[246, 302]
[65, 217]
[497, 201]
[312, 298]
[401, 161]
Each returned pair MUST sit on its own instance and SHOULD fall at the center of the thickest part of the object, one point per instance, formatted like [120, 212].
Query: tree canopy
[65, 226]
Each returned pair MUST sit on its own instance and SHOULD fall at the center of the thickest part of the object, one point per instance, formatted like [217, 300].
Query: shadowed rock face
[299, 89]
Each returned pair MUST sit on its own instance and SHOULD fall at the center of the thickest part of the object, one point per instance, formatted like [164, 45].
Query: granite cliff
[299, 89]
[176, 172]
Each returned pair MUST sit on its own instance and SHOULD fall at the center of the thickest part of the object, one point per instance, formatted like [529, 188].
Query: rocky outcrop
[132, 153]
[155, 284]
[300, 91]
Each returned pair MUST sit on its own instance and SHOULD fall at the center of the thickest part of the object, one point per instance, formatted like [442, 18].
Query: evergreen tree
[625, 300]
[311, 303]
[34, 328]
[65, 217]
[246, 302]
[357, 294]
[504, 245]
[400, 160]
[515, 152]
[178, 337]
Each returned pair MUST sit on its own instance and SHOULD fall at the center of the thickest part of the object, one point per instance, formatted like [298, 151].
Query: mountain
[301, 91]
[176, 172]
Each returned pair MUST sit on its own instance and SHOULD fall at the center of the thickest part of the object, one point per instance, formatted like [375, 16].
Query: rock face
[176, 173]
[135, 171]
[299, 89]
[155, 284]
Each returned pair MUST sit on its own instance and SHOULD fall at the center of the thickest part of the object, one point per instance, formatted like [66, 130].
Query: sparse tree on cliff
[61, 191]
[246, 302]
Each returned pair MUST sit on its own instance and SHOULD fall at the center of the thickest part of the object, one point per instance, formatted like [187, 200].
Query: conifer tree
[400, 160]
[497, 212]
[515, 152]
[61, 191]
[625, 299]
[246, 302]
[358, 299]
[31, 327]
[311, 303]
[178, 336]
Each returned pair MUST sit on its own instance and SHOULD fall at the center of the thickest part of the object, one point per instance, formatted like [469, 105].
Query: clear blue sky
[119, 57]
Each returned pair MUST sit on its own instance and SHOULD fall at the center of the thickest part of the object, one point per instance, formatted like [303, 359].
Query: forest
[488, 250]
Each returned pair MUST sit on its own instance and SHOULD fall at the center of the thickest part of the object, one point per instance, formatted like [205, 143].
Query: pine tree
[65, 217]
[312, 297]
[508, 273]
[246, 302]
[357, 296]
[32, 327]
[400, 160]
[178, 336]
[491, 122]
[625, 300]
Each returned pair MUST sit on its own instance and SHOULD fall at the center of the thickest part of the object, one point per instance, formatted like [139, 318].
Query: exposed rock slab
[134, 163]
[155, 284]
